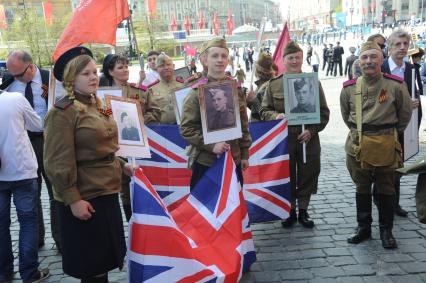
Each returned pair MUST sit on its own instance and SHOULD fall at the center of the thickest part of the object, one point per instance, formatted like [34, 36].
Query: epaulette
[280, 76]
[152, 84]
[179, 80]
[63, 102]
[349, 83]
[201, 82]
[141, 87]
[393, 77]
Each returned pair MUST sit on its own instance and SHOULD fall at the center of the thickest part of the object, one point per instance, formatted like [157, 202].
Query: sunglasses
[23, 73]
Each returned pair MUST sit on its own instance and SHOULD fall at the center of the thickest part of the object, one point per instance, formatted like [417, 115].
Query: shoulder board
[349, 83]
[280, 76]
[179, 80]
[201, 82]
[392, 77]
[63, 102]
[141, 87]
[152, 84]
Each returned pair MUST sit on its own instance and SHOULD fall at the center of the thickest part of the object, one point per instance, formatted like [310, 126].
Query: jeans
[25, 197]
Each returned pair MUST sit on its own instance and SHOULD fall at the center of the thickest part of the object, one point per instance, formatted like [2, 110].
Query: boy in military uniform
[384, 109]
[202, 155]
[162, 89]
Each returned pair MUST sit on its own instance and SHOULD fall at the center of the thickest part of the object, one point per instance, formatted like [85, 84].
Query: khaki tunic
[303, 177]
[79, 149]
[150, 109]
[394, 112]
[161, 94]
[191, 131]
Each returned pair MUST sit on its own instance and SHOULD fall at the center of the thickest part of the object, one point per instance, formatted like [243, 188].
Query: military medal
[107, 112]
[382, 96]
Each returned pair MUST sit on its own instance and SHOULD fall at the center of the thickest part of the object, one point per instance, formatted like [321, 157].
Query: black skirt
[94, 246]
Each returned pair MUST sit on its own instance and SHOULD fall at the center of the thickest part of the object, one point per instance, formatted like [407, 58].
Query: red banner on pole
[279, 50]
[230, 23]
[48, 13]
[3, 21]
[173, 24]
[93, 22]
[215, 24]
[152, 7]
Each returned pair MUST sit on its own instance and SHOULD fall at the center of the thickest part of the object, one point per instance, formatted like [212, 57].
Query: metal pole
[422, 10]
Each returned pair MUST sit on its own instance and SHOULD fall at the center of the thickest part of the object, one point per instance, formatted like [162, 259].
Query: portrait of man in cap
[128, 132]
[304, 96]
[220, 110]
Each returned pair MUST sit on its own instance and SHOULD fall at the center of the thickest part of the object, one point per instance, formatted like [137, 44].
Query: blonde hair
[72, 69]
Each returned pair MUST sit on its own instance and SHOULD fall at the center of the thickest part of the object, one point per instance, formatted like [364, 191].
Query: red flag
[215, 24]
[152, 7]
[202, 21]
[3, 22]
[92, 22]
[230, 24]
[279, 50]
[48, 13]
[173, 23]
[189, 50]
[187, 24]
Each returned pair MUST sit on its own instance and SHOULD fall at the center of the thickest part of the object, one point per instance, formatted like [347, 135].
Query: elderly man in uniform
[222, 116]
[384, 108]
[303, 176]
[202, 155]
[303, 92]
[161, 90]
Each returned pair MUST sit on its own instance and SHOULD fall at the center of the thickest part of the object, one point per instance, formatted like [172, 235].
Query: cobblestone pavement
[320, 254]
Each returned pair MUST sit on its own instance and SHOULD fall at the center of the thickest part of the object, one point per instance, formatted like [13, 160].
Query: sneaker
[42, 274]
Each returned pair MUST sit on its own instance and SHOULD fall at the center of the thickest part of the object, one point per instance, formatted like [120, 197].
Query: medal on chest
[382, 97]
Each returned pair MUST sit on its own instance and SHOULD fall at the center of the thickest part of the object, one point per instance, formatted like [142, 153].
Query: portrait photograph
[114, 91]
[182, 73]
[220, 115]
[55, 90]
[178, 97]
[301, 98]
[132, 139]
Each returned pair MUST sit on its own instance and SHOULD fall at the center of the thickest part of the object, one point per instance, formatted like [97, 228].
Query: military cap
[291, 47]
[161, 59]
[370, 45]
[60, 64]
[264, 63]
[299, 83]
[203, 47]
[216, 42]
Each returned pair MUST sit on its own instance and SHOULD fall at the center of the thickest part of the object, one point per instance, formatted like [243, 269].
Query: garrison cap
[216, 42]
[203, 47]
[161, 59]
[370, 45]
[299, 83]
[61, 63]
[291, 47]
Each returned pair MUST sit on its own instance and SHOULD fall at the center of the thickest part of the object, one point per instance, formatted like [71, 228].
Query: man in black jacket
[349, 62]
[25, 77]
[330, 61]
[324, 56]
[337, 58]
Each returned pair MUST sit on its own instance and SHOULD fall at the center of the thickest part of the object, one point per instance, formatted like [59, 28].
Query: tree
[29, 29]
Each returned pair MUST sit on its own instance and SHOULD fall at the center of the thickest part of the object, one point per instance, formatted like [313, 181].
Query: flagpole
[134, 36]
[304, 146]
[262, 28]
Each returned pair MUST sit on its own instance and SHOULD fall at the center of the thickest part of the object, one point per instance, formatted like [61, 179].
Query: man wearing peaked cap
[384, 109]
[161, 90]
[303, 176]
[202, 156]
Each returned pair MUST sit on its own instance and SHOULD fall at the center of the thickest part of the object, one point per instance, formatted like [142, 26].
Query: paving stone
[359, 269]
[410, 278]
[377, 279]
[413, 267]
[297, 274]
[267, 276]
[419, 256]
[337, 251]
[329, 271]
[312, 262]
[396, 258]
[341, 260]
[386, 268]
[280, 265]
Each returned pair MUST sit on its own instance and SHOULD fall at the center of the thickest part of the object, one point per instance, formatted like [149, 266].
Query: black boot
[397, 208]
[304, 219]
[290, 220]
[386, 205]
[364, 219]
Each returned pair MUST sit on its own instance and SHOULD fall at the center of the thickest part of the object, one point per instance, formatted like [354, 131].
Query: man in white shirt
[152, 75]
[18, 178]
[33, 83]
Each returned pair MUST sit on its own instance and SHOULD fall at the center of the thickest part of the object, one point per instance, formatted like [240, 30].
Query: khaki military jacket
[150, 109]
[273, 105]
[191, 130]
[386, 104]
[161, 93]
[79, 150]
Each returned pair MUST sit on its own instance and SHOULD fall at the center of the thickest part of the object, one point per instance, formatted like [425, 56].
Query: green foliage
[39, 39]
[98, 55]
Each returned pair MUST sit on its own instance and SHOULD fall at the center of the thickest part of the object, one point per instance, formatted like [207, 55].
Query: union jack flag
[266, 182]
[206, 238]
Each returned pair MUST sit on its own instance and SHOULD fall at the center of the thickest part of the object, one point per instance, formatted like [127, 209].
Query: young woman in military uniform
[303, 176]
[116, 71]
[79, 157]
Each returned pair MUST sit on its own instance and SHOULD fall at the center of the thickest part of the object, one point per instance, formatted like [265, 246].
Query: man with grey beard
[375, 107]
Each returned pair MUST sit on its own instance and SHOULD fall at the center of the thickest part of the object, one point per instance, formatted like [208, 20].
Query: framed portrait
[114, 91]
[55, 90]
[301, 98]
[412, 47]
[179, 96]
[132, 137]
[182, 73]
[220, 111]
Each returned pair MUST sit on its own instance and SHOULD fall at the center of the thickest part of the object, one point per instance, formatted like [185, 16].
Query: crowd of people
[73, 145]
